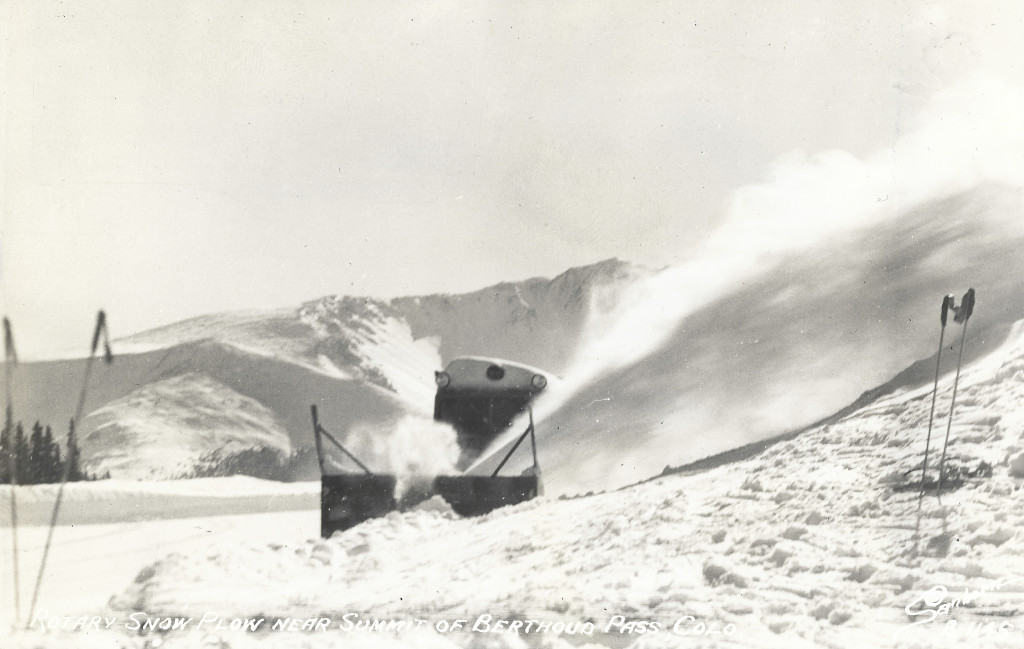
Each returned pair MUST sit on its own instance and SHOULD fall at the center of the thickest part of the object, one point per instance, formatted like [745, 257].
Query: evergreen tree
[37, 458]
[20, 454]
[36, 455]
[74, 471]
[6, 448]
[51, 457]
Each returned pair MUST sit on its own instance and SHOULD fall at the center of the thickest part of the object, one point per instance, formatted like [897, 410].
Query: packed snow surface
[818, 541]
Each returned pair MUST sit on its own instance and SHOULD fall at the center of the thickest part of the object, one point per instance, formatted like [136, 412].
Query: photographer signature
[938, 602]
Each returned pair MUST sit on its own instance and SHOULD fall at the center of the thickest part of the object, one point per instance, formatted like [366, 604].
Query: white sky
[166, 159]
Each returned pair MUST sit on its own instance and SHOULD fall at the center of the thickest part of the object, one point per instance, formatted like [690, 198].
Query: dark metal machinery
[487, 396]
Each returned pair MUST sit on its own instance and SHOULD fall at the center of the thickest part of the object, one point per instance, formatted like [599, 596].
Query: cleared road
[89, 563]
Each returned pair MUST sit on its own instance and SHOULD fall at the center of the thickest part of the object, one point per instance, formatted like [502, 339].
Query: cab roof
[479, 373]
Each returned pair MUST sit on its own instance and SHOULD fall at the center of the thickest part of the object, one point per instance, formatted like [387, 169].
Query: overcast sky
[166, 159]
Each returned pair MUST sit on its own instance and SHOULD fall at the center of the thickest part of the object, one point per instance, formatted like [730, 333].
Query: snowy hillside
[783, 348]
[163, 428]
[537, 322]
[232, 380]
[812, 543]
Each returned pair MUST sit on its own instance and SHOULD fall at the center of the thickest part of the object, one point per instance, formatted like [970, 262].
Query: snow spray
[807, 201]
[415, 450]
[969, 134]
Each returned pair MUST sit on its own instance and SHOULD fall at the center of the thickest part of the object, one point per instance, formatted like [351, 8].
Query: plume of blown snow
[972, 133]
[415, 449]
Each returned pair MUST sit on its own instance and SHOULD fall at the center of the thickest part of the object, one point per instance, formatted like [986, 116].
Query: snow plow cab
[480, 398]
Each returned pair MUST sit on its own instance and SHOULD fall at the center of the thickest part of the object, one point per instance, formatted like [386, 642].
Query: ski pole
[10, 359]
[947, 302]
[101, 329]
[963, 314]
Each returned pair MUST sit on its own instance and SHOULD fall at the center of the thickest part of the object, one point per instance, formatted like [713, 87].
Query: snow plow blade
[349, 499]
[478, 495]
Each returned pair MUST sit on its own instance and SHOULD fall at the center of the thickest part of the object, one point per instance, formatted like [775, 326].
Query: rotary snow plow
[480, 398]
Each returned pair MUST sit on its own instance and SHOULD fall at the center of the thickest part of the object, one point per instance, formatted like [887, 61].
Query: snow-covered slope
[209, 393]
[538, 322]
[368, 339]
[783, 348]
[161, 429]
[811, 543]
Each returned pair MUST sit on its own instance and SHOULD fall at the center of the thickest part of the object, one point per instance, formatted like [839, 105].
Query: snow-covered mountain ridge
[235, 380]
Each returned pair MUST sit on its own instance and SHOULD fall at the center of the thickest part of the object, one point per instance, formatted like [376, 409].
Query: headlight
[442, 379]
[539, 381]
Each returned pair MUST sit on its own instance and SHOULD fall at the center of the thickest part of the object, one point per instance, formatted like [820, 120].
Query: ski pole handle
[101, 321]
[966, 305]
[947, 302]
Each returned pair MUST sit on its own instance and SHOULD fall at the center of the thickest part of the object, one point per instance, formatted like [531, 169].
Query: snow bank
[107, 501]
